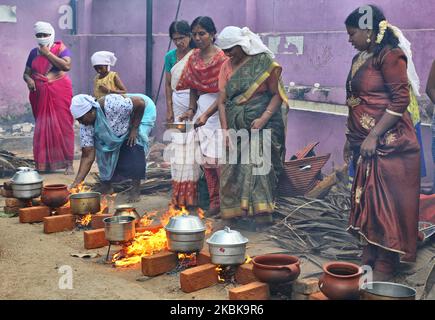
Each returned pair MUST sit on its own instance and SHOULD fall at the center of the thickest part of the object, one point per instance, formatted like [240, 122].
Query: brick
[63, 210]
[59, 223]
[15, 203]
[33, 214]
[251, 291]
[97, 220]
[306, 286]
[11, 210]
[94, 239]
[8, 193]
[198, 278]
[317, 296]
[159, 263]
[244, 274]
[203, 258]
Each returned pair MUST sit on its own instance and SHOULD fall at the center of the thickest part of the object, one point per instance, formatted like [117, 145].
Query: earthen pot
[55, 195]
[276, 268]
[340, 281]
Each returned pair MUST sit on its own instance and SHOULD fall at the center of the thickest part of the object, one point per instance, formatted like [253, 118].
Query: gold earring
[369, 40]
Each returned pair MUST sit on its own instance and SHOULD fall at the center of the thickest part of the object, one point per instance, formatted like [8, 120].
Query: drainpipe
[73, 4]
[149, 50]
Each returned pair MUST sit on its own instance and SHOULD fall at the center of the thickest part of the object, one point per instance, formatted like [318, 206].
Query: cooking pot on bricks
[55, 195]
[185, 233]
[26, 183]
[227, 247]
[340, 280]
[386, 291]
[85, 203]
[119, 229]
[126, 210]
[276, 268]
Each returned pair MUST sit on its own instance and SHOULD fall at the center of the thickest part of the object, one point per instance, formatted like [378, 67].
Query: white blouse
[118, 112]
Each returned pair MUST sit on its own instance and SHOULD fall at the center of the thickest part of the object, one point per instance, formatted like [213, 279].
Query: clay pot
[340, 281]
[55, 195]
[276, 268]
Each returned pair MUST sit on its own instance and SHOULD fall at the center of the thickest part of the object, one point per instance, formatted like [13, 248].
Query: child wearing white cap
[106, 81]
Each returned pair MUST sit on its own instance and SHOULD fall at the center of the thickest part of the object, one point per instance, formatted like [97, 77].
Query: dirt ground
[30, 262]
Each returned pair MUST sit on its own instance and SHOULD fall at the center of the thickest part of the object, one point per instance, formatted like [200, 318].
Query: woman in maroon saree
[50, 96]
[383, 145]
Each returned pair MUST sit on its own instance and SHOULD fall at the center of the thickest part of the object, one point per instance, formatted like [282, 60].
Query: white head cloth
[250, 42]
[405, 45]
[81, 104]
[103, 58]
[44, 27]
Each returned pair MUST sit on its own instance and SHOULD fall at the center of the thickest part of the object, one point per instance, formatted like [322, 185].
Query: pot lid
[26, 175]
[185, 224]
[227, 237]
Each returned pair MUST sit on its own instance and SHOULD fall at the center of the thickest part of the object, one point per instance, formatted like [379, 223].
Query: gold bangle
[268, 111]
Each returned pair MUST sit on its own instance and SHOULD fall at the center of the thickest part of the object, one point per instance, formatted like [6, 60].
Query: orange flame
[144, 244]
[248, 259]
[219, 274]
[147, 219]
[84, 221]
[148, 243]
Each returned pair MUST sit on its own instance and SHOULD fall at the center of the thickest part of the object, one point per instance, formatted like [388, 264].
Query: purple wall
[120, 26]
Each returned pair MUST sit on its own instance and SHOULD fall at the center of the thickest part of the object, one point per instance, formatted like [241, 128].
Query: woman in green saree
[252, 105]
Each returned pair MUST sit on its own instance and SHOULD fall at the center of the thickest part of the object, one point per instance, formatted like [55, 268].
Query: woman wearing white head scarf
[50, 96]
[114, 129]
[251, 98]
[106, 81]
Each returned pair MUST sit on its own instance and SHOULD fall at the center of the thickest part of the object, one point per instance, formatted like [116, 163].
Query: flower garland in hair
[383, 25]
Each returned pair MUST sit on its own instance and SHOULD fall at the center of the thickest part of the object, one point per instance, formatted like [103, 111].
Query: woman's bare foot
[69, 171]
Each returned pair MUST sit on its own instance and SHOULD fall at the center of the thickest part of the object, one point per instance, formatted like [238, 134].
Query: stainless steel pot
[126, 210]
[119, 229]
[85, 203]
[185, 233]
[26, 183]
[227, 247]
[386, 291]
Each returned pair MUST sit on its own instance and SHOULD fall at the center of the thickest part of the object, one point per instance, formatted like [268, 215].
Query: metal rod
[108, 252]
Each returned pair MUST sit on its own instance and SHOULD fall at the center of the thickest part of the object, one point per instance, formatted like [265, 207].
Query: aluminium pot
[119, 229]
[386, 291]
[185, 233]
[26, 183]
[227, 247]
[85, 202]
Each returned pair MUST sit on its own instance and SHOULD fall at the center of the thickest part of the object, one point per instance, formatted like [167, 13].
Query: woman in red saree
[382, 142]
[50, 97]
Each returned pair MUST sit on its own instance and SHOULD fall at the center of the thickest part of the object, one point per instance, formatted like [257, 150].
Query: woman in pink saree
[50, 96]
